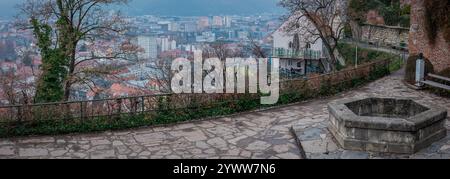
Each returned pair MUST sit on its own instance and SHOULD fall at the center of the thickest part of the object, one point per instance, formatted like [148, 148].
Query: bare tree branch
[74, 21]
[318, 19]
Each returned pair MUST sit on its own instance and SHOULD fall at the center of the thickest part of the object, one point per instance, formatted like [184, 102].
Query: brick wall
[439, 52]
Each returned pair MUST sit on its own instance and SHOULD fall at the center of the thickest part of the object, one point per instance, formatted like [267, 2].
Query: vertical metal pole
[356, 61]
[19, 114]
[420, 71]
[306, 67]
[142, 104]
[81, 111]
[119, 110]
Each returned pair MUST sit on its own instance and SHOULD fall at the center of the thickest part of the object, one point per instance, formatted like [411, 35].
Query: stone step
[439, 77]
[437, 85]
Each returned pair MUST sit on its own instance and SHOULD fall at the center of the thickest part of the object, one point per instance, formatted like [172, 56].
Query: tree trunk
[68, 85]
[331, 54]
[67, 91]
[332, 65]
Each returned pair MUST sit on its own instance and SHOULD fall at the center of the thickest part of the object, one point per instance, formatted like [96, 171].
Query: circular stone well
[386, 125]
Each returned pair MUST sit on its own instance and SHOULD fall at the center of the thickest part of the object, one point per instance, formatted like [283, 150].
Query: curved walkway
[263, 134]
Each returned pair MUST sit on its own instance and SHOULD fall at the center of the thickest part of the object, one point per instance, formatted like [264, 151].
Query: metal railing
[303, 54]
[111, 108]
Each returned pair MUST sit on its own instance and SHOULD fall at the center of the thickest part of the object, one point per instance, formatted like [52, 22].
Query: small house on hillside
[298, 56]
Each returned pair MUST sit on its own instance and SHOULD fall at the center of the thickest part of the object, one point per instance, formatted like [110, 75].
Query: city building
[227, 21]
[190, 27]
[206, 37]
[203, 23]
[167, 44]
[217, 21]
[149, 47]
[243, 35]
[168, 26]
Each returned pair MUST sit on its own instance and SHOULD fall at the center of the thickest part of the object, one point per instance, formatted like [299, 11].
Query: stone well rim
[344, 114]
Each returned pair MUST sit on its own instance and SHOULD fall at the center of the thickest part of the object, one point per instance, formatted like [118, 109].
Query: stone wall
[439, 52]
[385, 35]
[405, 2]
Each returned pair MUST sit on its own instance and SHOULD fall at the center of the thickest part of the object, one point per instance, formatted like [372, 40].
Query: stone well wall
[438, 53]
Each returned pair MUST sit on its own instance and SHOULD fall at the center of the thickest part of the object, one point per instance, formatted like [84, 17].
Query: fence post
[135, 103]
[82, 111]
[119, 110]
[19, 114]
[143, 104]
[389, 65]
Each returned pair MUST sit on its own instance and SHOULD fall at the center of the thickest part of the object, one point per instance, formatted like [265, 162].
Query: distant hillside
[7, 8]
[179, 7]
[203, 7]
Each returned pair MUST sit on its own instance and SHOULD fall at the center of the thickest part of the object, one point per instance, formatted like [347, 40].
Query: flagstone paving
[318, 143]
[257, 135]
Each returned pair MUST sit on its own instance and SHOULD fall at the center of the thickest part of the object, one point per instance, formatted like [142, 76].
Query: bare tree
[74, 21]
[256, 49]
[318, 19]
[161, 73]
[15, 90]
[221, 50]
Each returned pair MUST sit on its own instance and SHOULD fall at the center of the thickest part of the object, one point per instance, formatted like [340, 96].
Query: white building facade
[308, 58]
[149, 47]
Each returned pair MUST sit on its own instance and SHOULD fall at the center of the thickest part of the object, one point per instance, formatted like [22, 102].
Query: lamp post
[356, 57]
[420, 71]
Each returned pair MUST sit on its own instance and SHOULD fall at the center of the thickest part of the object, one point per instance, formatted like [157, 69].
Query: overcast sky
[179, 7]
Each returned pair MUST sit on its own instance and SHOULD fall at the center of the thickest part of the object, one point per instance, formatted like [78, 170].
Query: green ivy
[54, 65]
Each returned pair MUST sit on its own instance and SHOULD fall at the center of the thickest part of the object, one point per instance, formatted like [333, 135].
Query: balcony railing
[303, 54]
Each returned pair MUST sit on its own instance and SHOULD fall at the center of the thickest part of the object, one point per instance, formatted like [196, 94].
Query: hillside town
[161, 39]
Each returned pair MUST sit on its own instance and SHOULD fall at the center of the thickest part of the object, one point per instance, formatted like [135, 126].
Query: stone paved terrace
[265, 134]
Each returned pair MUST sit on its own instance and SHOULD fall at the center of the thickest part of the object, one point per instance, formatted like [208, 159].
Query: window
[308, 46]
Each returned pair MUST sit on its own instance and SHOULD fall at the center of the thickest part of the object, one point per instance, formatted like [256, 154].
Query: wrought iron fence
[111, 108]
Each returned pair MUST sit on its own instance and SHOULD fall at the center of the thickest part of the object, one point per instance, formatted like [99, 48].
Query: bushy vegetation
[348, 51]
[395, 15]
[391, 10]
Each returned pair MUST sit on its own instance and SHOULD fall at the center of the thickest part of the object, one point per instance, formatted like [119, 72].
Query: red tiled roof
[120, 90]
